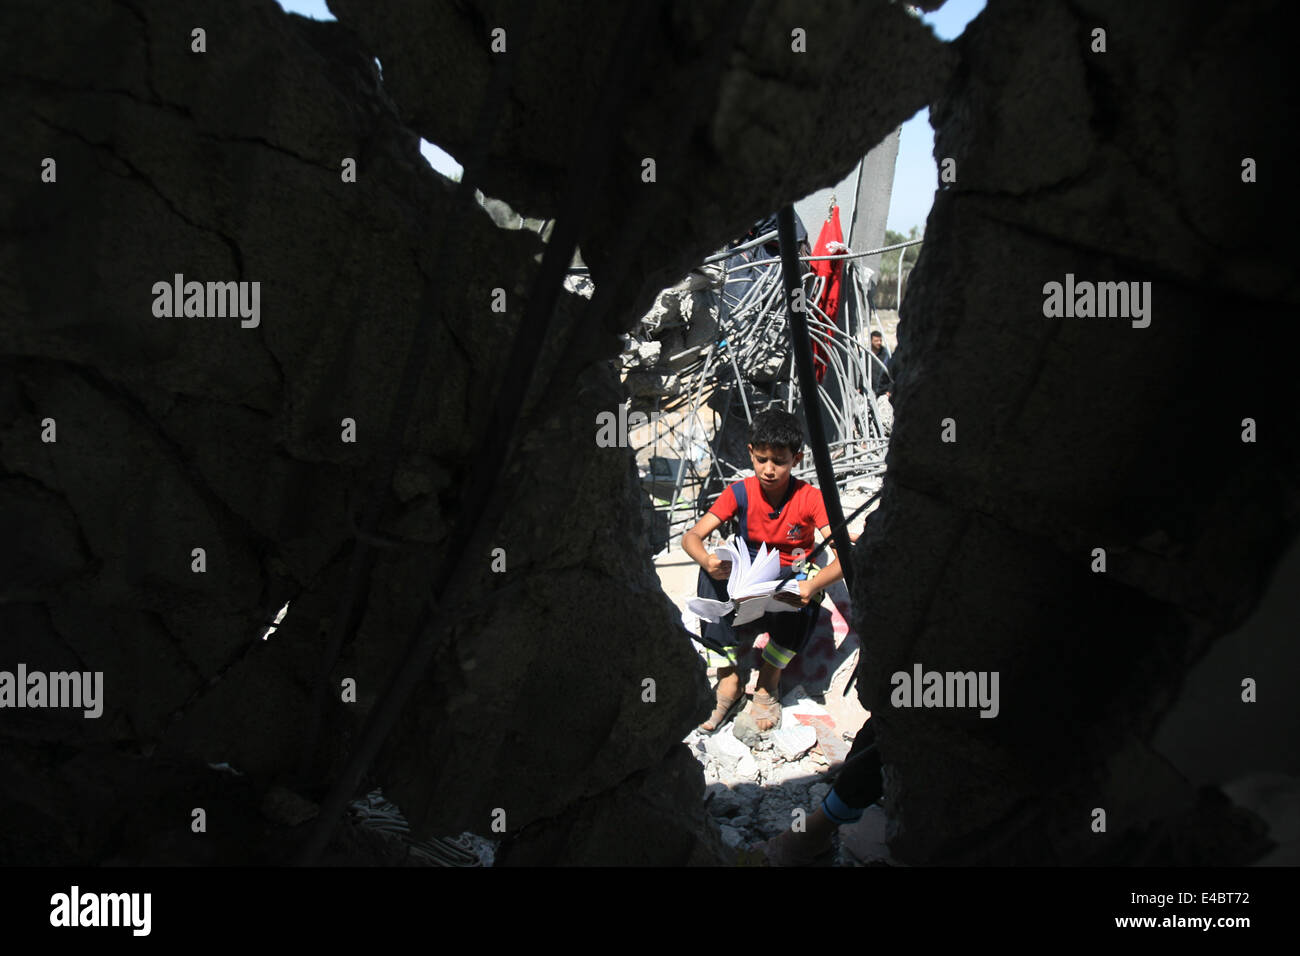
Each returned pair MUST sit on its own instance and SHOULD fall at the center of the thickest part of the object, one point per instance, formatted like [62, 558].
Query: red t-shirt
[802, 514]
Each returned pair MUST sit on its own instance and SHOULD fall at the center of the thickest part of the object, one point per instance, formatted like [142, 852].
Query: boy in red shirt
[780, 512]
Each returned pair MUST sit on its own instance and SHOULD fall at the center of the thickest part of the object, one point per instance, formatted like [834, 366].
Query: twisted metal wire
[749, 360]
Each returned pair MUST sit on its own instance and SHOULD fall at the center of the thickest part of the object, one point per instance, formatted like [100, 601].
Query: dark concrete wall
[1079, 433]
[175, 433]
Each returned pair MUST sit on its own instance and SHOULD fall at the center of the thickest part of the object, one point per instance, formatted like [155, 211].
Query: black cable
[802, 347]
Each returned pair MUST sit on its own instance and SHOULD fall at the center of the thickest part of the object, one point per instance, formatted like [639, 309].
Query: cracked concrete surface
[183, 433]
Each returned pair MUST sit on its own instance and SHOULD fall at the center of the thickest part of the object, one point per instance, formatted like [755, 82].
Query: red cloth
[805, 511]
[829, 242]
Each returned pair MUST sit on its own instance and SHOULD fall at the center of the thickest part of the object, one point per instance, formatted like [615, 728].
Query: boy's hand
[806, 591]
[717, 569]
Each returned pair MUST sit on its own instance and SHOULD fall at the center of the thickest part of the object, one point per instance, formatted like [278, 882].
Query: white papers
[751, 588]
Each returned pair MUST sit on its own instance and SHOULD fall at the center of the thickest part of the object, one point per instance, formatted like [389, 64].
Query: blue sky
[915, 175]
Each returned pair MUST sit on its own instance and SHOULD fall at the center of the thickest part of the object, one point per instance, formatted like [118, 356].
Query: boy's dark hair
[775, 428]
[877, 335]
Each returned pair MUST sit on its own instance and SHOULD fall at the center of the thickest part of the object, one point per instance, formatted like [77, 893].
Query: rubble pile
[755, 786]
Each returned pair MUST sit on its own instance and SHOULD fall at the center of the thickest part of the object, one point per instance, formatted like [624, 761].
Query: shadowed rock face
[193, 432]
[185, 432]
[734, 120]
[1082, 433]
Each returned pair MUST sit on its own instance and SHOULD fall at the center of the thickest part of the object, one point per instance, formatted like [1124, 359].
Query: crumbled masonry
[200, 432]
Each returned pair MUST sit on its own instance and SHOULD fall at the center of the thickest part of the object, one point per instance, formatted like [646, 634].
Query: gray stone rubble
[753, 793]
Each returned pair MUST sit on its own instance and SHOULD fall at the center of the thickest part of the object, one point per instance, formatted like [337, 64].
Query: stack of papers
[752, 588]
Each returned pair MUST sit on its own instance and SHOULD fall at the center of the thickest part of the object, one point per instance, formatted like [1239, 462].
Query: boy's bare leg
[728, 683]
[769, 681]
[729, 689]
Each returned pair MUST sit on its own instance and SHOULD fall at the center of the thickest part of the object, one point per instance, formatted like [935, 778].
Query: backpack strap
[742, 501]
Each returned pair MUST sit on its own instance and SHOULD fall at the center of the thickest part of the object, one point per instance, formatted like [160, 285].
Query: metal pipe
[802, 349]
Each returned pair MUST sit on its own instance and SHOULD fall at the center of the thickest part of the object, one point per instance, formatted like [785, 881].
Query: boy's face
[772, 466]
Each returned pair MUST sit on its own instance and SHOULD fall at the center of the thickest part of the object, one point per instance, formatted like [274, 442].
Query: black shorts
[788, 629]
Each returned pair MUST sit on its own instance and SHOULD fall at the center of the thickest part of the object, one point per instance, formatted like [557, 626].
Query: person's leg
[787, 636]
[730, 688]
[801, 847]
[720, 652]
[767, 696]
[857, 786]
[859, 783]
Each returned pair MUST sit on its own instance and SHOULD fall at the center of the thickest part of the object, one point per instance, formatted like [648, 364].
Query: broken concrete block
[744, 730]
[647, 353]
[787, 775]
[792, 742]
[747, 767]
[725, 749]
[830, 743]
[731, 836]
[724, 803]
[804, 707]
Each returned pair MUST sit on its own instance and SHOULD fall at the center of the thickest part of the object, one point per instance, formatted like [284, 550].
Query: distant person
[881, 377]
[879, 349]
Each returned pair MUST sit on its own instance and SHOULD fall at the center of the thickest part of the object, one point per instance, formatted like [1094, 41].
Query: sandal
[724, 709]
[765, 707]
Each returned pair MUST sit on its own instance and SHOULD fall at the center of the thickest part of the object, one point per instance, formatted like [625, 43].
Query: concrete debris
[579, 285]
[374, 811]
[746, 731]
[651, 383]
[753, 792]
[732, 837]
[647, 353]
[725, 749]
[803, 710]
[782, 773]
[747, 767]
[724, 802]
[792, 742]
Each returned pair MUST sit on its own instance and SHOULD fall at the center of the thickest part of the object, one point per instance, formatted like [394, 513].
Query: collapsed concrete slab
[1070, 501]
